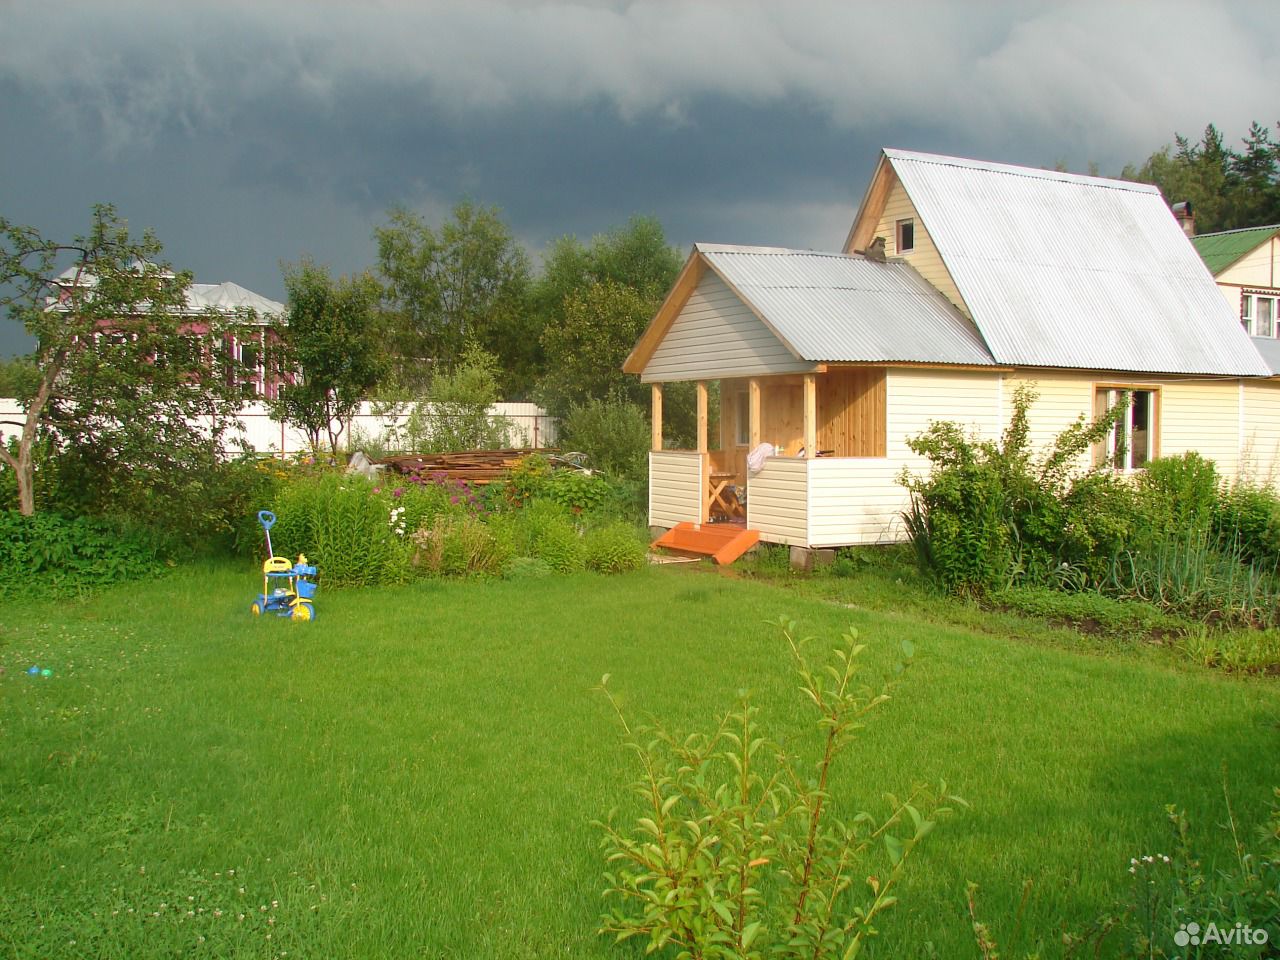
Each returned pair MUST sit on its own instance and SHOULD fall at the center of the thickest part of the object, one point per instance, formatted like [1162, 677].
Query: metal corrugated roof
[1269, 348]
[1061, 270]
[226, 297]
[1220, 250]
[829, 307]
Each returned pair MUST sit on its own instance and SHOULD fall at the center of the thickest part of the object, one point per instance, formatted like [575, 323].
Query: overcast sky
[250, 132]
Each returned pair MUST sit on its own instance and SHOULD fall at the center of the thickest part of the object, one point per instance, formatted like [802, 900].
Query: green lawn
[415, 773]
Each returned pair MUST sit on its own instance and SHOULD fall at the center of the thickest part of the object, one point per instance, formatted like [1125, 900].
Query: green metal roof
[1221, 250]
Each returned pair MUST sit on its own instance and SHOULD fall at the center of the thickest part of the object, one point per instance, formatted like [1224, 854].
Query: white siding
[1260, 451]
[675, 488]
[777, 501]
[855, 500]
[715, 336]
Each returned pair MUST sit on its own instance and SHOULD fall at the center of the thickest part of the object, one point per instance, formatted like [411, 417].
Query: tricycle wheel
[255, 608]
[304, 611]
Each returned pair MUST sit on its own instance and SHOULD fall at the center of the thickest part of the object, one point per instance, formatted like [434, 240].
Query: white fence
[530, 426]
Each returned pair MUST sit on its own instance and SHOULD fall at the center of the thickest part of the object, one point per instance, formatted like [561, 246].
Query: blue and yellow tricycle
[287, 587]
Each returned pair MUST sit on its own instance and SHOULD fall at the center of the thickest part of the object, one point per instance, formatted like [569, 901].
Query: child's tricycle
[287, 590]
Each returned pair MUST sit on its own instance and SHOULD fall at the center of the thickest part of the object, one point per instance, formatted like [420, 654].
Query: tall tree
[127, 382]
[1227, 188]
[331, 338]
[595, 301]
[466, 281]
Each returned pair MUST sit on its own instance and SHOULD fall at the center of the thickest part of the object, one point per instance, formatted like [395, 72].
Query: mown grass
[415, 773]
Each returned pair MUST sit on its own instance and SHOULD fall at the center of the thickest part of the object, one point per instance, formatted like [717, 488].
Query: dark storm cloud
[250, 133]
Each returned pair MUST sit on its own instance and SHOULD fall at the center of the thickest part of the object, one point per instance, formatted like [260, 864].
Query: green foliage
[1190, 573]
[1088, 610]
[355, 532]
[1179, 492]
[741, 851]
[467, 280]
[123, 381]
[455, 413]
[990, 514]
[1246, 518]
[331, 340]
[459, 546]
[614, 548]
[614, 433]
[52, 553]
[18, 377]
[1227, 188]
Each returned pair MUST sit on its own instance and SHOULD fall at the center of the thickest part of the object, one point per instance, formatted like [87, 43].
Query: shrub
[990, 515]
[51, 553]
[356, 532]
[614, 433]
[1247, 518]
[613, 548]
[741, 851]
[1179, 491]
[459, 546]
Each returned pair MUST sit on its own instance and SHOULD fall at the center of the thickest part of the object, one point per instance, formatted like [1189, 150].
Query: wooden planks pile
[476, 467]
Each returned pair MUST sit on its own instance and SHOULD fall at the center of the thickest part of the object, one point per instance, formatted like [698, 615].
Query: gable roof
[828, 307]
[225, 297]
[1220, 250]
[1062, 270]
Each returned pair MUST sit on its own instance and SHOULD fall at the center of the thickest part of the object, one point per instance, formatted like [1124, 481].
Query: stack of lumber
[471, 466]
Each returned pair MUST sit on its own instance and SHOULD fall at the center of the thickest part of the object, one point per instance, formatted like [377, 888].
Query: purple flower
[377, 489]
[398, 492]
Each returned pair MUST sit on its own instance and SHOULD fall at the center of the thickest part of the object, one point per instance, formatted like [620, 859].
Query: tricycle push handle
[267, 519]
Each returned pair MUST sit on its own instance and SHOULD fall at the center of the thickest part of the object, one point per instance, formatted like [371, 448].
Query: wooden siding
[777, 502]
[924, 255]
[1260, 268]
[675, 487]
[851, 412]
[716, 335]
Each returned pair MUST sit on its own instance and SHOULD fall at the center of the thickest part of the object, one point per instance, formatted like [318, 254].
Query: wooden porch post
[753, 405]
[655, 442]
[702, 416]
[810, 416]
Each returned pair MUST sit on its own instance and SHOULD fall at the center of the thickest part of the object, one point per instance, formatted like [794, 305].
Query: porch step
[722, 542]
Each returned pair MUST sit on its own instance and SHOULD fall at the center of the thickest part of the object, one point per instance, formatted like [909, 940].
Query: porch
[830, 482]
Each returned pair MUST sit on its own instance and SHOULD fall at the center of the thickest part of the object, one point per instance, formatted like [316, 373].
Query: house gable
[1066, 271]
[891, 207]
[715, 334]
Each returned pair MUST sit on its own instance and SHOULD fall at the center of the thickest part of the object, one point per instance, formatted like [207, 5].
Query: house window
[742, 419]
[1260, 314]
[906, 236]
[1131, 443]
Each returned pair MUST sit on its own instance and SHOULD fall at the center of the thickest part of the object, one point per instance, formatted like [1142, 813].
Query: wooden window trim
[1101, 458]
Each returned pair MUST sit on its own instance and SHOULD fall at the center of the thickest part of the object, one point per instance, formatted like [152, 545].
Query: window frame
[1104, 399]
[1249, 313]
[910, 224]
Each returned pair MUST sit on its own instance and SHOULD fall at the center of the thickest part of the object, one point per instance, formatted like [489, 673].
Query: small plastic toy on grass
[287, 587]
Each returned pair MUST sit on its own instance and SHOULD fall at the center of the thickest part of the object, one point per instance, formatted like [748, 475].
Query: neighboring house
[959, 282]
[1246, 265]
[250, 337]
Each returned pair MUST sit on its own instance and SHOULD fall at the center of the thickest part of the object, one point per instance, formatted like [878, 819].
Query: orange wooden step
[723, 543]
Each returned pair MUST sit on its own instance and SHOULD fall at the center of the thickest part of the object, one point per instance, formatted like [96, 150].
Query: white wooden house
[992, 275]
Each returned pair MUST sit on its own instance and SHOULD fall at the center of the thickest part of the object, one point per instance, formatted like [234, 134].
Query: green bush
[990, 515]
[1247, 518]
[1179, 491]
[357, 532]
[51, 553]
[613, 548]
[459, 546]
[740, 851]
[614, 433]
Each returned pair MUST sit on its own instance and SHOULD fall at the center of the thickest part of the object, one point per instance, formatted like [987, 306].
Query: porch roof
[828, 307]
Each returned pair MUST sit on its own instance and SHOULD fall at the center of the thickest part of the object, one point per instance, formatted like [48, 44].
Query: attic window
[906, 236]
